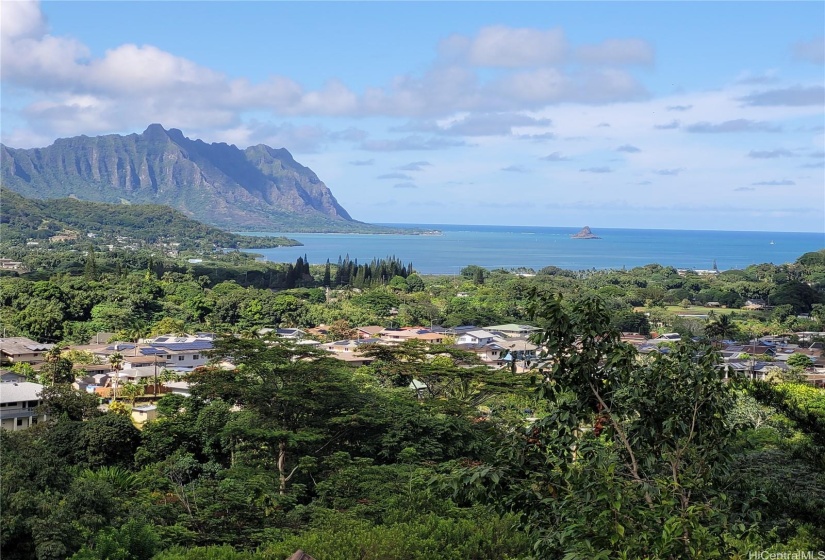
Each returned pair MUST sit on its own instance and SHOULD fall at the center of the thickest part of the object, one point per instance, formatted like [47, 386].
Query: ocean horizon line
[592, 227]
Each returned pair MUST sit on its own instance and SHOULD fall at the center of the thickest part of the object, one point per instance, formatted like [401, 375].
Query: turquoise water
[536, 247]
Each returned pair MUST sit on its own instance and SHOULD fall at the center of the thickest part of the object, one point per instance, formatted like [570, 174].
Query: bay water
[509, 247]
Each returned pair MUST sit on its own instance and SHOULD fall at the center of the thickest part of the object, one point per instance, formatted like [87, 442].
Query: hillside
[23, 219]
[256, 189]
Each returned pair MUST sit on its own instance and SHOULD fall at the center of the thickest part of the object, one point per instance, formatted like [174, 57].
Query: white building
[18, 405]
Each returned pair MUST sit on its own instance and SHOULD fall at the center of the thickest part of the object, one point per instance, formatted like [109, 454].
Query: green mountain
[23, 219]
[256, 189]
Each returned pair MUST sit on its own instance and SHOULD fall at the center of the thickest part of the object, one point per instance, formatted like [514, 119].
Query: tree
[801, 361]
[721, 328]
[56, 368]
[631, 458]
[90, 269]
[291, 396]
[61, 400]
[115, 361]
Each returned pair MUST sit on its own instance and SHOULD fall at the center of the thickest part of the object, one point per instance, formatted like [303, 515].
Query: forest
[598, 451]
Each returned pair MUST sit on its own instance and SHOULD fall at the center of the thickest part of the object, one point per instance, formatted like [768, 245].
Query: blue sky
[685, 115]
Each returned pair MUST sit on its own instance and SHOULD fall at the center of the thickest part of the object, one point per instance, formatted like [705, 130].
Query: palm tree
[115, 360]
[721, 328]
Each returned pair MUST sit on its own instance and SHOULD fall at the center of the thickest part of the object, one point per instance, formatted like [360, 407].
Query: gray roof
[24, 391]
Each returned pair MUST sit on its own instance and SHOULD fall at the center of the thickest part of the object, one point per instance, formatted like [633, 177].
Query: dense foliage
[597, 452]
[23, 220]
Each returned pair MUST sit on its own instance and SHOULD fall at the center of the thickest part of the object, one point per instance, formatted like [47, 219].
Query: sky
[660, 115]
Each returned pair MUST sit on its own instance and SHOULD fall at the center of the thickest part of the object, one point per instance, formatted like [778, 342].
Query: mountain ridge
[259, 188]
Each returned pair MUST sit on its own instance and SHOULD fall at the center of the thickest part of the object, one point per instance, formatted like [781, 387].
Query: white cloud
[616, 52]
[811, 51]
[792, 96]
[508, 47]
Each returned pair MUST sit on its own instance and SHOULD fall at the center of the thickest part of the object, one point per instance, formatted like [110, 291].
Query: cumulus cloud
[736, 125]
[679, 107]
[616, 52]
[515, 169]
[350, 134]
[415, 166]
[76, 91]
[811, 51]
[629, 149]
[795, 96]
[769, 154]
[758, 79]
[669, 126]
[537, 137]
[602, 169]
[818, 165]
[480, 124]
[555, 156]
[508, 47]
[783, 183]
[414, 142]
[405, 186]
[394, 176]
[668, 172]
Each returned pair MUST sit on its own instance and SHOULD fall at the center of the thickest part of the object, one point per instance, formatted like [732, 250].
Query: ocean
[511, 247]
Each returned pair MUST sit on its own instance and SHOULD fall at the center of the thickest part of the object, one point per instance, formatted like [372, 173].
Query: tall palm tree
[720, 328]
[115, 361]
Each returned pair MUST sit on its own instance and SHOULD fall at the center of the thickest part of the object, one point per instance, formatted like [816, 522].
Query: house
[754, 304]
[291, 334]
[11, 377]
[22, 350]
[413, 333]
[491, 354]
[476, 337]
[143, 414]
[348, 346]
[18, 405]
[178, 388]
[511, 330]
[368, 331]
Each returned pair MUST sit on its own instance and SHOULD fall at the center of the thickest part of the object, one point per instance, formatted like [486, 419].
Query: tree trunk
[282, 467]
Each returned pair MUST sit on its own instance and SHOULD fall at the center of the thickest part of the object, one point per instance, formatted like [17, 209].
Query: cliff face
[257, 188]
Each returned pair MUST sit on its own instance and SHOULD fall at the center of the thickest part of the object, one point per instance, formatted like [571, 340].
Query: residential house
[411, 333]
[476, 337]
[145, 413]
[511, 330]
[11, 377]
[22, 350]
[18, 405]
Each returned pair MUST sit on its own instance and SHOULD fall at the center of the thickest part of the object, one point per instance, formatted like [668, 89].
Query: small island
[585, 233]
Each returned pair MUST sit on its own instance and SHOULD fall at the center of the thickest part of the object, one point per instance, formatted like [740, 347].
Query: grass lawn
[702, 310]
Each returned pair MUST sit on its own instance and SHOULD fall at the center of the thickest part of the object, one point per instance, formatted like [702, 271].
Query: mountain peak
[262, 188]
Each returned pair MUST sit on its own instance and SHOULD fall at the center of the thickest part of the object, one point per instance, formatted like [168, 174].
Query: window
[181, 357]
[196, 356]
[19, 421]
[9, 404]
[34, 421]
